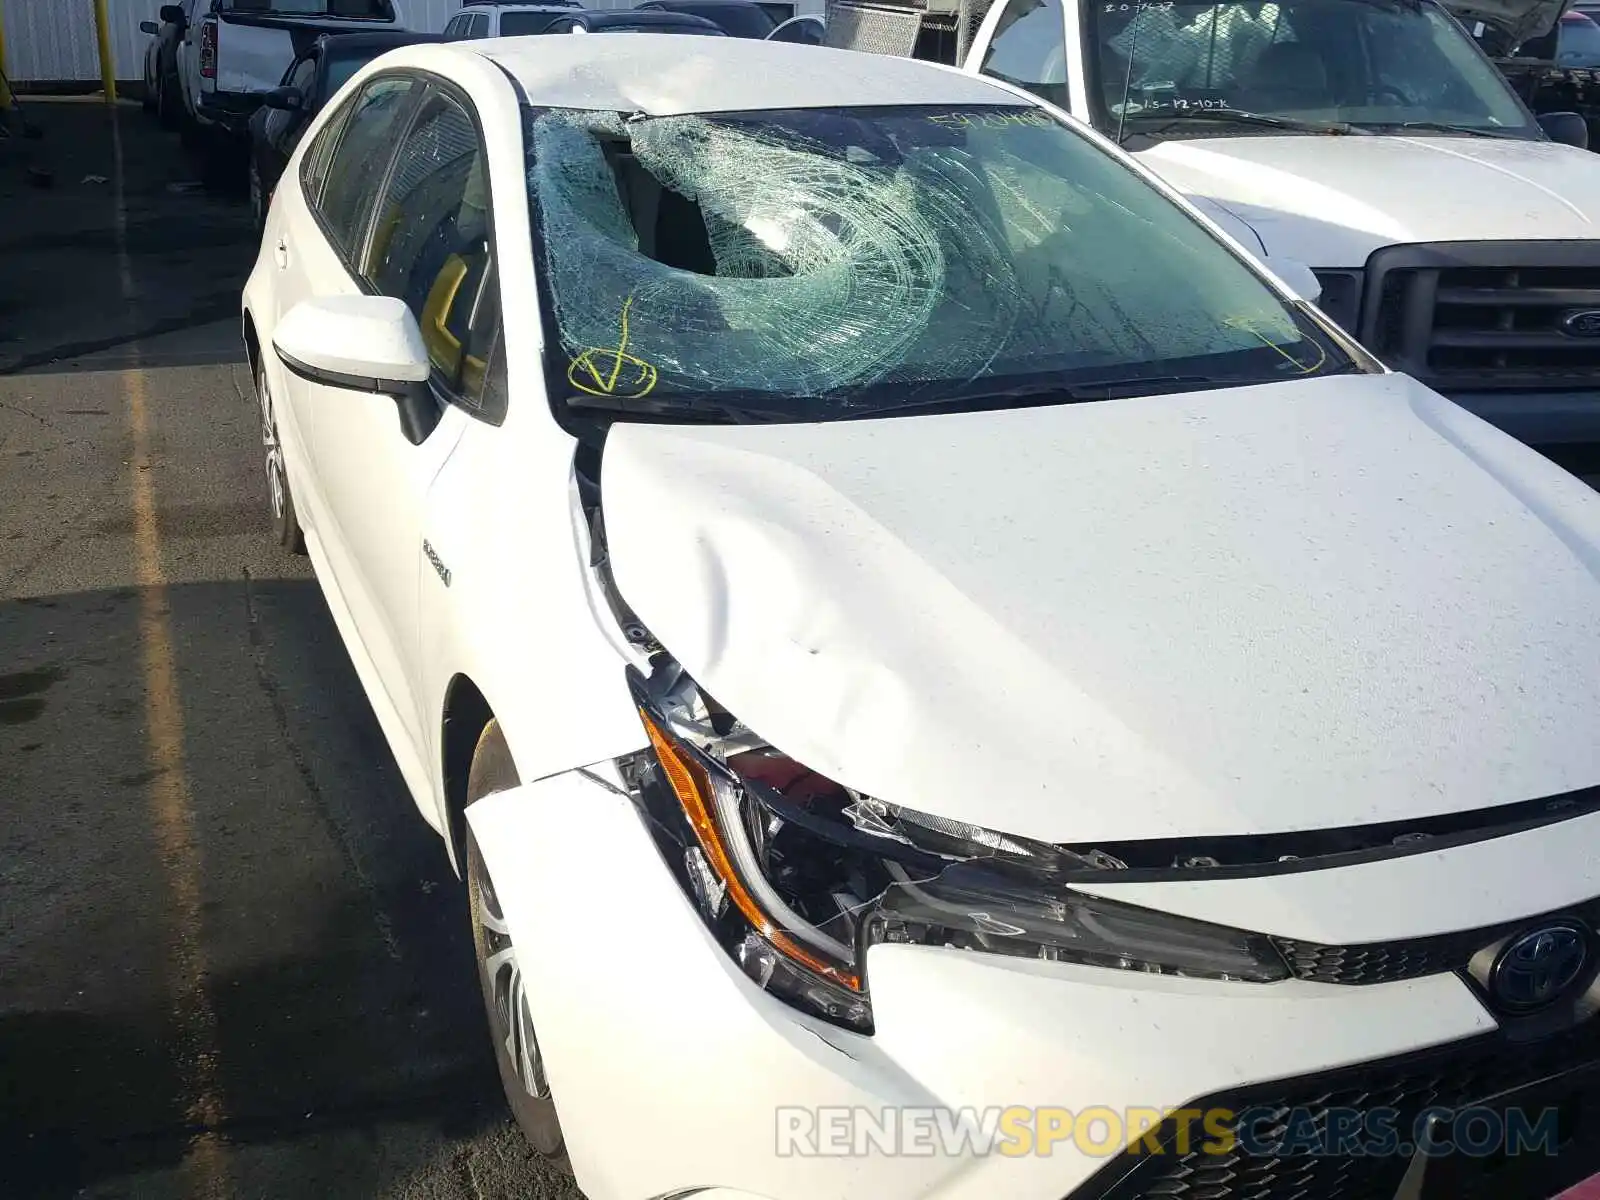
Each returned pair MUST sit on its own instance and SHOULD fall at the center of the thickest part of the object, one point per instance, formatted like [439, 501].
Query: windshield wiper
[1041, 394]
[692, 408]
[1240, 117]
[1441, 127]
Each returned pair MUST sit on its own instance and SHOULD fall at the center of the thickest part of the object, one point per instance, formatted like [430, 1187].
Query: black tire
[493, 771]
[169, 104]
[286, 529]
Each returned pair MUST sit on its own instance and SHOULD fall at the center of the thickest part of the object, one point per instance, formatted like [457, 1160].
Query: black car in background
[311, 79]
[738, 18]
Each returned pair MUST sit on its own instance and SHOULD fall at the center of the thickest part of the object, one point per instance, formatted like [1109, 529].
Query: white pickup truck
[233, 52]
[1369, 140]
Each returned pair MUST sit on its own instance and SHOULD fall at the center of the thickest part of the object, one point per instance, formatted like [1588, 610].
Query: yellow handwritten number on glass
[612, 372]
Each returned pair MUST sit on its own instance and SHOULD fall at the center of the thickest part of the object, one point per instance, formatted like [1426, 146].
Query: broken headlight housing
[797, 875]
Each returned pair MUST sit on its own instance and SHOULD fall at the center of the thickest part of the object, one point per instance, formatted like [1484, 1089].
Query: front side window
[431, 243]
[479, 26]
[356, 167]
[1377, 64]
[826, 263]
[1029, 49]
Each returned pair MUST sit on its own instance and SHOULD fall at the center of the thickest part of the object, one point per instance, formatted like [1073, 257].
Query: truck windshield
[820, 264]
[1378, 64]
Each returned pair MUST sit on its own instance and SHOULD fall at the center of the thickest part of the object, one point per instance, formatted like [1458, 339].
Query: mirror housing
[284, 99]
[150, 27]
[172, 14]
[1297, 277]
[362, 344]
[1567, 128]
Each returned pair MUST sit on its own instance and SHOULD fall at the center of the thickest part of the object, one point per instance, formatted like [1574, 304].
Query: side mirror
[285, 99]
[362, 344]
[1568, 128]
[150, 27]
[1297, 277]
[172, 14]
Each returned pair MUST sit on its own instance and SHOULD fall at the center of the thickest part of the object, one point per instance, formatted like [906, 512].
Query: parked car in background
[804, 31]
[487, 19]
[1370, 145]
[163, 92]
[886, 607]
[306, 86]
[235, 51]
[737, 18]
[632, 20]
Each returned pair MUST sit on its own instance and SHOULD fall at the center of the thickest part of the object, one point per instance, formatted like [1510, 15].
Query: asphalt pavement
[233, 959]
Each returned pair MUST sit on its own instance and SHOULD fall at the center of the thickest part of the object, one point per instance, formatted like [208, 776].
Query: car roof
[666, 76]
[709, 3]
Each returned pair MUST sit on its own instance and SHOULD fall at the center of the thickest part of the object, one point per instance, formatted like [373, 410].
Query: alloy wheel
[508, 1010]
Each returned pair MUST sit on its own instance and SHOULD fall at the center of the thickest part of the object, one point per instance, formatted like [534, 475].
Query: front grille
[1453, 1077]
[1481, 316]
[1388, 962]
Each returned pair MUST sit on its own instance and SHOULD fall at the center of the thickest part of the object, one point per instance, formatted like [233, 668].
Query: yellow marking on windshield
[604, 368]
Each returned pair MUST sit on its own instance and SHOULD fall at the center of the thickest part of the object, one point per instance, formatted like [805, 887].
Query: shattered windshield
[1380, 64]
[814, 264]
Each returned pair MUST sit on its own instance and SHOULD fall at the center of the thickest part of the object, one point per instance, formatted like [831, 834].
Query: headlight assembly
[797, 876]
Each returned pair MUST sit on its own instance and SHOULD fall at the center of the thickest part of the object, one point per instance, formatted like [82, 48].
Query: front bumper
[673, 1072]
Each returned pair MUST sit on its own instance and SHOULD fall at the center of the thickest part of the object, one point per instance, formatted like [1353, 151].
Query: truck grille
[1453, 1077]
[1485, 316]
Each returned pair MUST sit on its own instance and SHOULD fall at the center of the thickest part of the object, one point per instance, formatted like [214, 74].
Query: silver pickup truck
[233, 52]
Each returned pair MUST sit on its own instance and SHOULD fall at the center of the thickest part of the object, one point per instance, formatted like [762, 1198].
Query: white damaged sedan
[943, 677]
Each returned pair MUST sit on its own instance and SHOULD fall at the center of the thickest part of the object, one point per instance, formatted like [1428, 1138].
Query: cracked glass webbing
[854, 254]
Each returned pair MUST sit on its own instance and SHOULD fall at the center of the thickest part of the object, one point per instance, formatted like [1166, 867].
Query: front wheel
[285, 522]
[501, 971]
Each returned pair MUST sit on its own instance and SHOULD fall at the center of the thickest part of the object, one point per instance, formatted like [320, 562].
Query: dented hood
[1332, 201]
[1268, 609]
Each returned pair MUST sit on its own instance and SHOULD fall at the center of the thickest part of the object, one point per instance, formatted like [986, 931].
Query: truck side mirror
[1568, 128]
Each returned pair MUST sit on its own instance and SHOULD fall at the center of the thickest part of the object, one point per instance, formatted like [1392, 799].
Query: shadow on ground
[332, 941]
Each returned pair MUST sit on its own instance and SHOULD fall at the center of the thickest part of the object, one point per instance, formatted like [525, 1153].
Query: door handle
[282, 253]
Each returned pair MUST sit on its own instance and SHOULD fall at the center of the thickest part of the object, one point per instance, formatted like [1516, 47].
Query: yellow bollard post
[5, 86]
[108, 65]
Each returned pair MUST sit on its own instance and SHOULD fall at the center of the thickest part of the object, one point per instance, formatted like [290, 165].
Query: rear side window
[518, 24]
[432, 245]
[356, 168]
[314, 166]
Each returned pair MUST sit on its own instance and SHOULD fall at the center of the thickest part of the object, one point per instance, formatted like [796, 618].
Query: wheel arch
[465, 714]
[252, 344]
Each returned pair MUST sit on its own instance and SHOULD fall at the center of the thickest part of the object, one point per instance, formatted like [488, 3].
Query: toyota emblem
[1538, 966]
